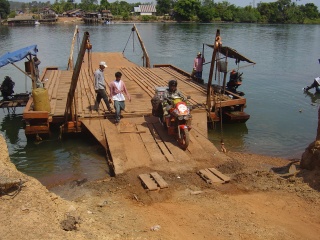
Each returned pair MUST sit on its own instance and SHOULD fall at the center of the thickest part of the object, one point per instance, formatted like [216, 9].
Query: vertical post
[224, 82]
[145, 53]
[216, 45]
[75, 76]
[318, 129]
[225, 74]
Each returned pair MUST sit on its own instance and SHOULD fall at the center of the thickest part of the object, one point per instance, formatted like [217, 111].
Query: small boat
[36, 22]
[225, 103]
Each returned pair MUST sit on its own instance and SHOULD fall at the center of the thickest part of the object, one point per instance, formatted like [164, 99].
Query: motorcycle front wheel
[184, 139]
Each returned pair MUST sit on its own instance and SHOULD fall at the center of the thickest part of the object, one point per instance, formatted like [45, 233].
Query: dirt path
[256, 204]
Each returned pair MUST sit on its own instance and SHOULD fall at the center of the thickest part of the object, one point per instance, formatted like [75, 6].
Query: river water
[283, 118]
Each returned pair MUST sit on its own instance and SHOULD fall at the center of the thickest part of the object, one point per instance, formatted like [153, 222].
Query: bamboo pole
[70, 61]
[145, 53]
[32, 77]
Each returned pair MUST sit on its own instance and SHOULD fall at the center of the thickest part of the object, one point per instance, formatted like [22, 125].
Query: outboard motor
[7, 88]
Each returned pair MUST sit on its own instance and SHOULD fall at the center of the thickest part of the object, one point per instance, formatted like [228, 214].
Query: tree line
[281, 11]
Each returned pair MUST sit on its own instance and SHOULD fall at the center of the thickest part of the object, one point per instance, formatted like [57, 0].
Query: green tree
[12, 14]
[4, 8]
[186, 9]
[88, 5]
[163, 6]
[310, 10]
[283, 10]
[206, 14]
[225, 10]
[105, 4]
[247, 14]
[268, 12]
[58, 8]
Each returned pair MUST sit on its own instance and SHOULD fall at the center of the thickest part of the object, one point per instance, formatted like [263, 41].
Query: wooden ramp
[142, 141]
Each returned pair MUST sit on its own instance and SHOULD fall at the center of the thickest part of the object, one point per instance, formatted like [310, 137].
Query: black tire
[185, 139]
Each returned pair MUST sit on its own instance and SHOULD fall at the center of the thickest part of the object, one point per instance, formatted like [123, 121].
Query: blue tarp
[18, 55]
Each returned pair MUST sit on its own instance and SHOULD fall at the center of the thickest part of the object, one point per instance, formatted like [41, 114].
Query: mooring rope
[222, 147]
[132, 30]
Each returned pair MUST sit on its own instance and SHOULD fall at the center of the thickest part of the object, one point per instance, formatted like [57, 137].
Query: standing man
[117, 90]
[37, 62]
[100, 87]
[197, 65]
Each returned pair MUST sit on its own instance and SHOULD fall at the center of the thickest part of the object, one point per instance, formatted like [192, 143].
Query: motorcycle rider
[169, 95]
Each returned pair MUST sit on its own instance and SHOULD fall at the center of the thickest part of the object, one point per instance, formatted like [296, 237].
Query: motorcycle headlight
[180, 117]
[186, 117]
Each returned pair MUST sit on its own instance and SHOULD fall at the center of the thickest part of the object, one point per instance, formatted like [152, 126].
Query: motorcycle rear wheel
[184, 139]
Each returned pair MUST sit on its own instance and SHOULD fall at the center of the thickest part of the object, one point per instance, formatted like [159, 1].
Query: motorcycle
[178, 121]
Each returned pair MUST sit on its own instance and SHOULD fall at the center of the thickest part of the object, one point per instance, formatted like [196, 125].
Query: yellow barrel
[41, 100]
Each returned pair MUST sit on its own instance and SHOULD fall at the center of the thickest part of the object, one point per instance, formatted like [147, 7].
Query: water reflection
[53, 161]
[233, 136]
[315, 97]
[11, 133]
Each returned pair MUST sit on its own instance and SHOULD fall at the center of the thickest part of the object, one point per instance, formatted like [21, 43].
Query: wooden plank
[90, 91]
[161, 145]
[50, 83]
[148, 182]
[160, 181]
[209, 176]
[36, 114]
[28, 106]
[53, 101]
[152, 147]
[230, 102]
[94, 126]
[88, 103]
[219, 174]
[171, 143]
[82, 95]
[36, 129]
[166, 152]
[116, 147]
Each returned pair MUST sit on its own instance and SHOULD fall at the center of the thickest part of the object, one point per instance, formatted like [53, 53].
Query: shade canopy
[232, 53]
[18, 55]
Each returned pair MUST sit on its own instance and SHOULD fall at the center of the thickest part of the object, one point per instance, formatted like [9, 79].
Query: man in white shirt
[117, 91]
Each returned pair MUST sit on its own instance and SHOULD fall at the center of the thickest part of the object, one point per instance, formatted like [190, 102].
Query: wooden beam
[145, 53]
[75, 76]
[217, 43]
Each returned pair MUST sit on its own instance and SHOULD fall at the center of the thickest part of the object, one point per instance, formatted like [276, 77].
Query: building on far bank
[106, 15]
[48, 15]
[21, 20]
[145, 10]
[73, 13]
